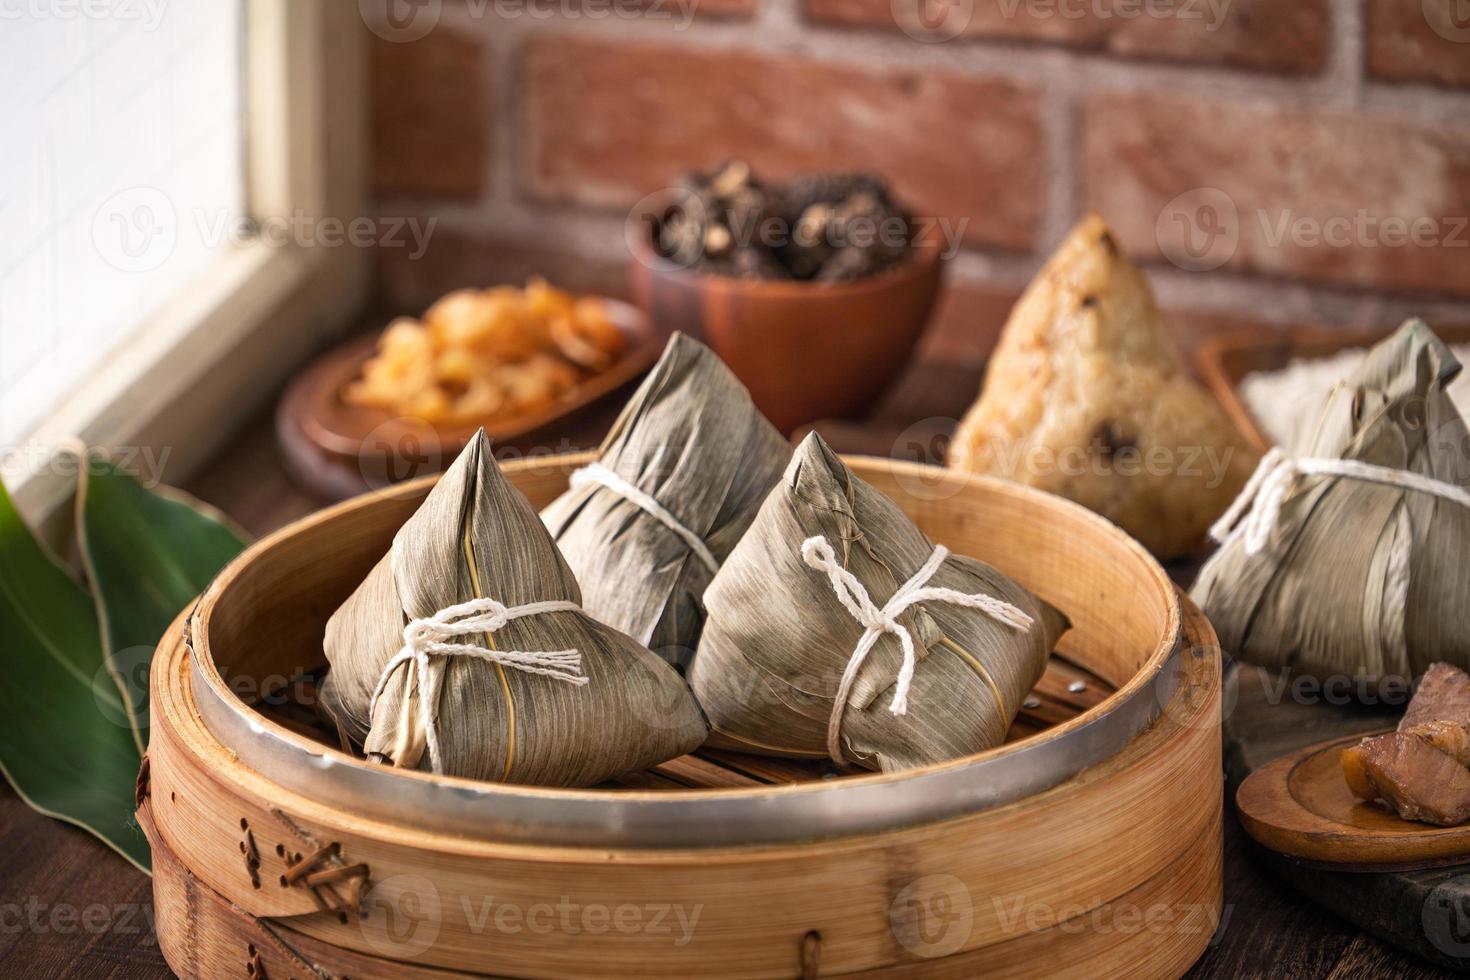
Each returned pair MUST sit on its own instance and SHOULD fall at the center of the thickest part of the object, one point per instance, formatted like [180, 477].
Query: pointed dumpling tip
[681, 345]
[1092, 233]
[813, 451]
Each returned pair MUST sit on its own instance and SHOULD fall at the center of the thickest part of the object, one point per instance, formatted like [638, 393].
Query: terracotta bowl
[805, 350]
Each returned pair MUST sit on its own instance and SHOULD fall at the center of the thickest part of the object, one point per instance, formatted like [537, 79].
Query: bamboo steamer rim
[845, 804]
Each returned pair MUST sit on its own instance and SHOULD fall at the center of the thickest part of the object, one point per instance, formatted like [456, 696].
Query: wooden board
[1423, 911]
[1299, 805]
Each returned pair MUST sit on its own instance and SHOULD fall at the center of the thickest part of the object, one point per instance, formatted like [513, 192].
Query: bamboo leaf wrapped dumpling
[1347, 554]
[804, 651]
[465, 651]
[678, 480]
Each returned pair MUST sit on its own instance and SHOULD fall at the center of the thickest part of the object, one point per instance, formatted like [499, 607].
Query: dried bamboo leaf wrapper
[1360, 579]
[777, 639]
[475, 536]
[692, 439]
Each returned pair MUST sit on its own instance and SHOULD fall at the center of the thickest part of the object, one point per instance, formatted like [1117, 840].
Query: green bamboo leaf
[62, 748]
[147, 554]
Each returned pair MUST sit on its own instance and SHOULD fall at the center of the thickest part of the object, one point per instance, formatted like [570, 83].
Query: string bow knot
[817, 552]
[1257, 510]
[596, 474]
[429, 642]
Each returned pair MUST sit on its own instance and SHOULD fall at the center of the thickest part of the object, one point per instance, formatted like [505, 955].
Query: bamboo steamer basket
[1089, 843]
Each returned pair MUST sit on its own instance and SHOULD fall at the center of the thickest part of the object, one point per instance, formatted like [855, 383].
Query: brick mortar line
[1346, 51]
[1041, 64]
[506, 108]
[597, 237]
[1065, 197]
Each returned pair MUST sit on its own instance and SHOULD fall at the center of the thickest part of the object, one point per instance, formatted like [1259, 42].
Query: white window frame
[212, 355]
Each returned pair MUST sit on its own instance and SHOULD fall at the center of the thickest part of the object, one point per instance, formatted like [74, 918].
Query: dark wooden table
[69, 907]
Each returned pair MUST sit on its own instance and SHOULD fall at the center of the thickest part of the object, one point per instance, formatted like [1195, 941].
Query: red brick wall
[1274, 162]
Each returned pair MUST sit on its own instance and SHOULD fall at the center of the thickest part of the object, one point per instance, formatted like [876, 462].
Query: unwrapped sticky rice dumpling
[1085, 397]
[466, 651]
[837, 629]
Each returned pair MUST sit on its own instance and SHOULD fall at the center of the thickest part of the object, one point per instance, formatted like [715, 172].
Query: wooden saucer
[1299, 805]
[339, 450]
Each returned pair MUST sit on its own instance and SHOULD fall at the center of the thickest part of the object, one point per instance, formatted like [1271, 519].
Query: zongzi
[1346, 554]
[1085, 397]
[678, 480]
[466, 652]
[837, 629]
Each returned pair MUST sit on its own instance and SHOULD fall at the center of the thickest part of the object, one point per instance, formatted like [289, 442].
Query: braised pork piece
[1420, 771]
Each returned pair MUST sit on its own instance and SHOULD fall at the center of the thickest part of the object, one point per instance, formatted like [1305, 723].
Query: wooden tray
[339, 450]
[1223, 363]
[793, 873]
[1300, 805]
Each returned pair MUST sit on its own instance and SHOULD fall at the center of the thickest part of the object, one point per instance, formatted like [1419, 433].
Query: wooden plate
[340, 450]
[1300, 805]
[1225, 362]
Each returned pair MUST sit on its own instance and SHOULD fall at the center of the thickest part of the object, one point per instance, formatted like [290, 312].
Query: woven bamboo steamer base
[202, 935]
[1139, 833]
[1112, 851]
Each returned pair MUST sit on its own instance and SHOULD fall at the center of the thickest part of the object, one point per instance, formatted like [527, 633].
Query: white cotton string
[596, 473]
[427, 646]
[1256, 511]
[817, 552]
